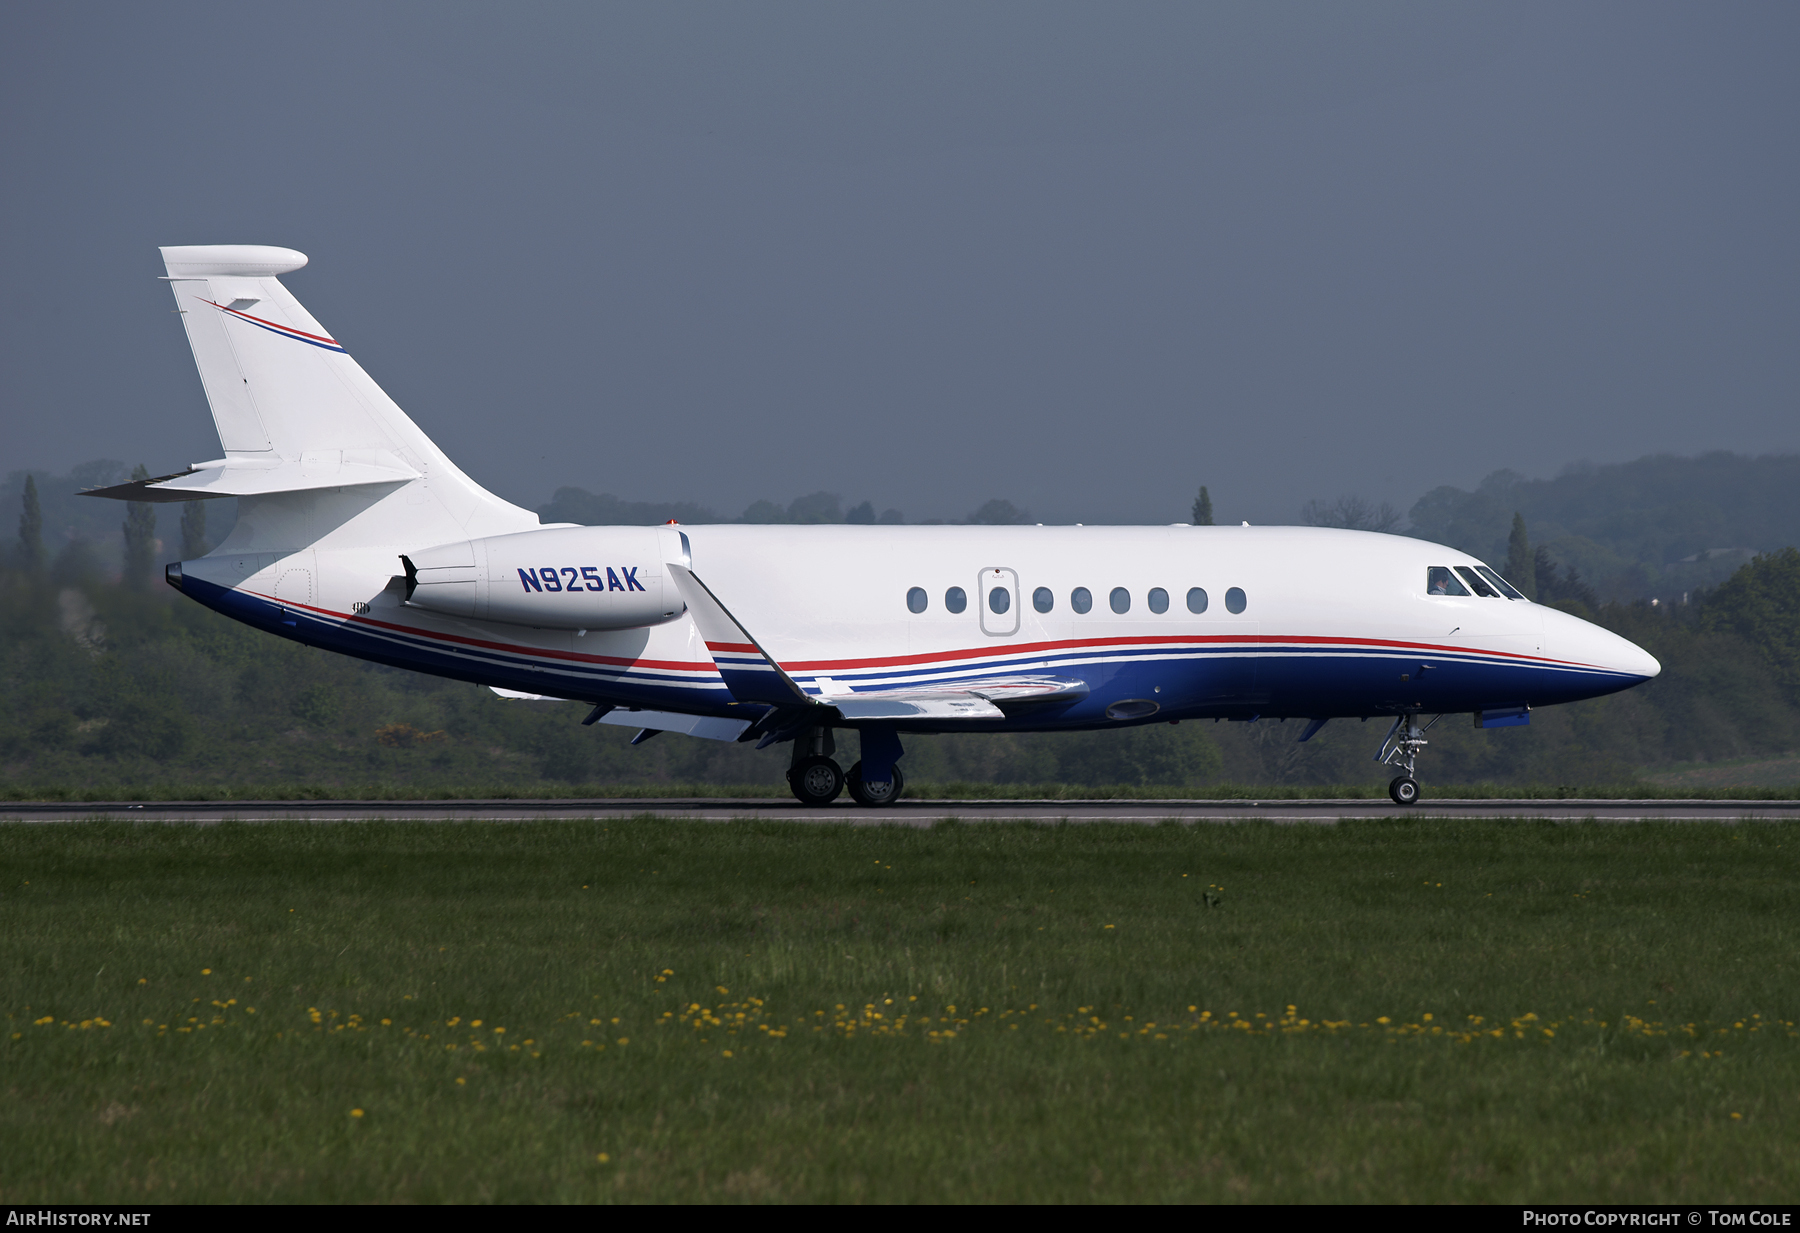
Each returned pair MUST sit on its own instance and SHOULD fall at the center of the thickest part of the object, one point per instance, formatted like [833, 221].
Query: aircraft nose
[1581, 642]
[1631, 658]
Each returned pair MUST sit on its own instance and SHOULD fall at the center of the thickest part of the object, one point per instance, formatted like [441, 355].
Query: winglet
[750, 673]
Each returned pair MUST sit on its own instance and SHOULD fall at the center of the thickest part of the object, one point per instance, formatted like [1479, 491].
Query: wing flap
[976, 698]
[704, 726]
[939, 704]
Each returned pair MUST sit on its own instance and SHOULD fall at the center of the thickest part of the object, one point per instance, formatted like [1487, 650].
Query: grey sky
[1081, 257]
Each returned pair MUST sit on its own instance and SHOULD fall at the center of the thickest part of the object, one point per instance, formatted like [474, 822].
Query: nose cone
[1634, 660]
[1583, 645]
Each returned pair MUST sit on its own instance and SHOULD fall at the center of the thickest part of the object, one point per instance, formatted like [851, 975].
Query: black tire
[816, 781]
[870, 800]
[1404, 790]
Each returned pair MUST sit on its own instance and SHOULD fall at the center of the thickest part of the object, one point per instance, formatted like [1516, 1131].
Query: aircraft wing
[753, 675]
[974, 698]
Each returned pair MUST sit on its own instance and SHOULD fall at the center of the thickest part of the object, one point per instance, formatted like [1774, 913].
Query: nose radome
[1634, 659]
[1572, 639]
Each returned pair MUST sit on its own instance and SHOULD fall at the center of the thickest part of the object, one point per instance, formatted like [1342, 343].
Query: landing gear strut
[813, 777]
[1401, 749]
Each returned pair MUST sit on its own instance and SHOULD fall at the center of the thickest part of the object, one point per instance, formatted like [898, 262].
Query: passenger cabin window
[915, 600]
[999, 599]
[1159, 600]
[1506, 588]
[955, 599]
[1042, 599]
[1479, 583]
[1440, 581]
[1081, 599]
[1235, 601]
[1196, 599]
[1120, 599]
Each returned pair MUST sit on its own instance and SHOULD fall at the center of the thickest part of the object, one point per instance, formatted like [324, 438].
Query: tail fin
[289, 401]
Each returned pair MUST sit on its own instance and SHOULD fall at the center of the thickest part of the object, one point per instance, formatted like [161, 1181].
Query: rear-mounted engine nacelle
[556, 578]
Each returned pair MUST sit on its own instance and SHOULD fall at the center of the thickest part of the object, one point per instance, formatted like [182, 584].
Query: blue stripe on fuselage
[1198, 682]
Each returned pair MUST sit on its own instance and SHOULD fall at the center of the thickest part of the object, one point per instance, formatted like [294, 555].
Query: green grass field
[665, 1010]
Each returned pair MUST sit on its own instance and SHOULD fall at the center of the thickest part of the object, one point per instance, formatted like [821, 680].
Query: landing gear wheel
[885, 794]
[1404, 790]
[816, 781]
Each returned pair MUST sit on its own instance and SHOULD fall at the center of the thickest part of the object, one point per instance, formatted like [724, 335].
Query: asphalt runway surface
[906, 813]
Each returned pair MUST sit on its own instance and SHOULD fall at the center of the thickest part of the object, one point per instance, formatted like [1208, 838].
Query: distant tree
[193, 530]
[31, 529]
[1562, 589]
[998, 513]
[1761, 604]
[1351, 513]
[816, 507]
[891, 518]
[1521, 566]
[140, 538]
[1203, 515]
[604, 509]
[764, 512]
[861, 515]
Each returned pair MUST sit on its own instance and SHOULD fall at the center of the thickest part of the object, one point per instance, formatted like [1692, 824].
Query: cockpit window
[1440, 581]
[1478, 582]
[1505, 588]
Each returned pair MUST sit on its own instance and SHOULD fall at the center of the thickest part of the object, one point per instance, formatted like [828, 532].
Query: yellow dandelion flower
[602, 1157]
[356, 1113]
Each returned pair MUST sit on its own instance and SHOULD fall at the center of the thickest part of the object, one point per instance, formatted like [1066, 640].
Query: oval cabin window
[1234, 600]
[1081, 599]
[1042, 599]
[915, 600]
[955, 599]
[1159, 600]
[1196, 599]
[1120, 599]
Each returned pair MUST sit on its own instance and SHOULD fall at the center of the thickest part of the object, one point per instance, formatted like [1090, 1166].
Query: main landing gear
[816, 779]
[1401, 749]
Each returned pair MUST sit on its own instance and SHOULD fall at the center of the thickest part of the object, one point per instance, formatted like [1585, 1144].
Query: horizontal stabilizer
[328, 469]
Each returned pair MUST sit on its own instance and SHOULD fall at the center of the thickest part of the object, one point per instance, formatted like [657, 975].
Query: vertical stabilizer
[284, 394]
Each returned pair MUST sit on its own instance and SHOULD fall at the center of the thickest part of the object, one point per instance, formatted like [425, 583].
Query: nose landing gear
[1401, 749]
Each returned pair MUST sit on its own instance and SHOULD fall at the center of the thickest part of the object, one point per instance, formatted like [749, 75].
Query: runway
[919, 813]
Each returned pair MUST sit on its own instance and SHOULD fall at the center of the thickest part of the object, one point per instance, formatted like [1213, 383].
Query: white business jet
[355, 533]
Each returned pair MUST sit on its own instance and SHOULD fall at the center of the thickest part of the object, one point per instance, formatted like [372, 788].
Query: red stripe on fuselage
[1045, 648]
[890, 661]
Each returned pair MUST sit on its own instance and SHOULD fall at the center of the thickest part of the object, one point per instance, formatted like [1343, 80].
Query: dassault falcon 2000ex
[355, 533]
